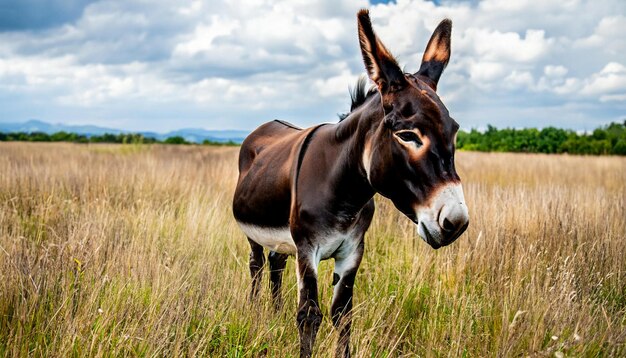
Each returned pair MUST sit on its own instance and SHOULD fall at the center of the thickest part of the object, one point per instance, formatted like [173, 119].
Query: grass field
[109, 250]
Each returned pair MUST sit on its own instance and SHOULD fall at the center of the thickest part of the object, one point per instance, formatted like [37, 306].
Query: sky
[234, 64]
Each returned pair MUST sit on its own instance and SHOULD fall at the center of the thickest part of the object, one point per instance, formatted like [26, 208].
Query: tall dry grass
[112, 250]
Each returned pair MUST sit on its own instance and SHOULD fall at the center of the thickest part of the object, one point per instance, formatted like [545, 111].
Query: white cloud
[555, 71]
[490, 45]
[525, 6]
[484, 72]
[238, 63]
[567, 87]
[519, 79]
[609, 35]
[203, 36]
[611, 79]
[613, 97]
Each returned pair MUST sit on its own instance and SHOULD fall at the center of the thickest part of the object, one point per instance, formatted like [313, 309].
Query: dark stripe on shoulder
[287, 124]
[303, 148]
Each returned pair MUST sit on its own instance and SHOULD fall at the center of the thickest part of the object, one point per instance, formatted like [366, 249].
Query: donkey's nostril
[447, 225]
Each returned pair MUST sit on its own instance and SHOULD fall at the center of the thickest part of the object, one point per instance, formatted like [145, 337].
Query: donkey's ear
[437, 53]
[381, 67]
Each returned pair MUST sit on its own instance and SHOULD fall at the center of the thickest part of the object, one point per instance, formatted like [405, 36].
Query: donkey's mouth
[430, 240]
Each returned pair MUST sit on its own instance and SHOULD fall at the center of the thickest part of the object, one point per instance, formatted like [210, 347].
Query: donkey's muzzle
[453, 234]
[447, 218]
[453, 220]
[440, 238]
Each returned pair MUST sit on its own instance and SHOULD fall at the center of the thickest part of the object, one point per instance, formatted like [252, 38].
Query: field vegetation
[115, 250]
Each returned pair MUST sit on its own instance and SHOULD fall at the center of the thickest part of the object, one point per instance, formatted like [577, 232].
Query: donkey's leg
[309, 315]
[256, 267]
[277, 266]
[343, 278]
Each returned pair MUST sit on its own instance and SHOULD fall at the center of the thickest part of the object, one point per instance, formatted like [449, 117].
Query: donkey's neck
[354, 135]
[356, 131]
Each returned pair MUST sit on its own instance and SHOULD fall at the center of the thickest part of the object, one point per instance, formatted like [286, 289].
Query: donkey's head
[410, 156]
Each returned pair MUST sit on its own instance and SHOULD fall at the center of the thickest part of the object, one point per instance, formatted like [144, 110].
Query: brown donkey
[309, 192]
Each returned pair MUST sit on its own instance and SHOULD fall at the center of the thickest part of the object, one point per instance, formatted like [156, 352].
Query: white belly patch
[275, 239]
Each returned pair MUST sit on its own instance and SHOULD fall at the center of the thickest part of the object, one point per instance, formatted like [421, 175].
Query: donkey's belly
[273, 238]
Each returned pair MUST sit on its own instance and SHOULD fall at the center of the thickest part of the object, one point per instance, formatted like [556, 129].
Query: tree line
[606, 140]
[122, 138]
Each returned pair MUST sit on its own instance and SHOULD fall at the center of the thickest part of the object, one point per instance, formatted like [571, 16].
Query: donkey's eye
[409, 137]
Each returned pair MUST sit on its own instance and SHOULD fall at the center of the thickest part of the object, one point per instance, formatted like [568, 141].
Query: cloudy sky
[217, 64]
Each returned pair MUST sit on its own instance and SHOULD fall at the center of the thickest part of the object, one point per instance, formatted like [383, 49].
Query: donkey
[309, 192]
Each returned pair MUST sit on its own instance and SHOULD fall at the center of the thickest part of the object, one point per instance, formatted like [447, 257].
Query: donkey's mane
[358, 95]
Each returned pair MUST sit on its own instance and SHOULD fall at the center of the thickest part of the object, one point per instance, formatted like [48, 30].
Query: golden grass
[124, 250]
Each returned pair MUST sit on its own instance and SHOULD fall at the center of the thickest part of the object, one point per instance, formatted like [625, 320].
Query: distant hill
[195, 135]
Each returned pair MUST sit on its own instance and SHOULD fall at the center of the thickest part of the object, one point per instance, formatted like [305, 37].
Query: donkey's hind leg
[278, 262]
[257, 260]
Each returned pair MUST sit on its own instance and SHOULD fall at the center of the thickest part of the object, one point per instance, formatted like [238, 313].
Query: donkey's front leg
[309, 315]
[346, 267]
